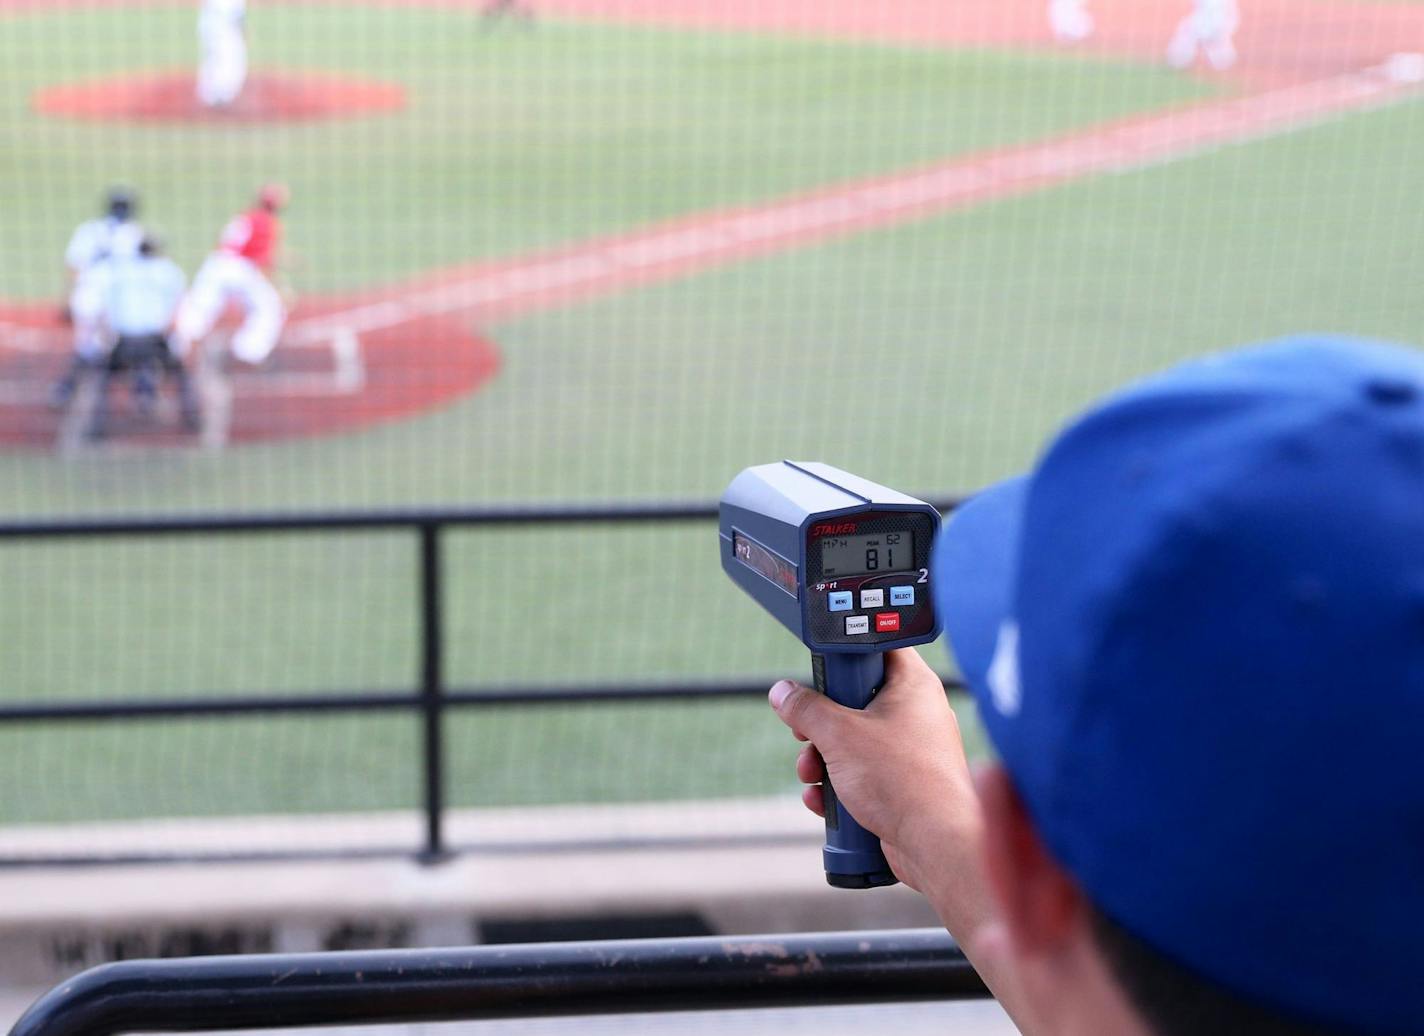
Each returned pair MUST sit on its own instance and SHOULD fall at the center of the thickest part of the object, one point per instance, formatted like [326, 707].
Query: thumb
[810, 715]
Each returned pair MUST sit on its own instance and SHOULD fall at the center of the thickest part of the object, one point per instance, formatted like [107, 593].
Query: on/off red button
[887, 622]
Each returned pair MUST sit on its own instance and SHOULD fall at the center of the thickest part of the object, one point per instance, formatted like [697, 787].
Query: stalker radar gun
[844, 564]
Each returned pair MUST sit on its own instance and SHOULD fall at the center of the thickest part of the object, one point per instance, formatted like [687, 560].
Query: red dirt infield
[268, 97]
[337, 381]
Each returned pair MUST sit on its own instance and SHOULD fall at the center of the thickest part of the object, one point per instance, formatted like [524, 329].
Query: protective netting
[598, 251]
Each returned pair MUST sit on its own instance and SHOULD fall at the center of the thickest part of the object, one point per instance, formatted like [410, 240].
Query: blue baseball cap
[1196, 635]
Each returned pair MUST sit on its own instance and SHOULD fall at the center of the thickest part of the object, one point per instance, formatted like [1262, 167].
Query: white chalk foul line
[686, 246]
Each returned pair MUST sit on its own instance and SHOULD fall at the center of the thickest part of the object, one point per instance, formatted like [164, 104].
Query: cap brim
[975, 570]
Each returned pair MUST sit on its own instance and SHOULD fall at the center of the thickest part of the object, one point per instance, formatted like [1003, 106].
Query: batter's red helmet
[273, 196]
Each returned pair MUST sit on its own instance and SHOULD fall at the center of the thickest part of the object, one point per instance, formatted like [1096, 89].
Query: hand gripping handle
[852, 854]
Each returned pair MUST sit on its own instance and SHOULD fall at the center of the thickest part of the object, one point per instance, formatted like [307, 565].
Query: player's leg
[174, 368]
[86, 315]
[145, 364]
[258, 335]
[201, 307]
[1070, 20]
[239, 65]
[221, 74]
[230, 75]
[208, 57]
[1220, 21]
[1182, 48]
[80, 367]
[117, 361]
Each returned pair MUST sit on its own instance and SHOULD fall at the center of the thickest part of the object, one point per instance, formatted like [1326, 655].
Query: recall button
[839, 601]
[887, 622]
[872, 598]
[857, 624]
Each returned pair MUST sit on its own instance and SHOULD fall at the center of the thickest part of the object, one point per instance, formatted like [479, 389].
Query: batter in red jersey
[240, 271]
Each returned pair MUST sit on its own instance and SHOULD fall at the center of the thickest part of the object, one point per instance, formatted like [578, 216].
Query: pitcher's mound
[267, 97]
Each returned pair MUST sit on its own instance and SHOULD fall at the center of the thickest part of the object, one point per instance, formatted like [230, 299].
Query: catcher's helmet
[121, 202]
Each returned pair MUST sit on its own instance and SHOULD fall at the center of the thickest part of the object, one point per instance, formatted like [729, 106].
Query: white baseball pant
[222, 71]
[226, 277]
[1209, 29]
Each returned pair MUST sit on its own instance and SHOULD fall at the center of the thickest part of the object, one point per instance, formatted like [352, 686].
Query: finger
[904, 663]
[806, 712]
[814, 799]
[810, 767]
[907, 676]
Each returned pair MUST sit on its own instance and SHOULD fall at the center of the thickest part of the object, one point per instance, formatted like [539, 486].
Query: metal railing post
[430, 699]
[432, 692]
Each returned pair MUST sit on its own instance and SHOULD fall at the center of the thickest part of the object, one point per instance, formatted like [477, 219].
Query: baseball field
[618, 252]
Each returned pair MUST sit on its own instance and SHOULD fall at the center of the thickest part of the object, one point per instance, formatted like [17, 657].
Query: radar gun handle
[852, 855]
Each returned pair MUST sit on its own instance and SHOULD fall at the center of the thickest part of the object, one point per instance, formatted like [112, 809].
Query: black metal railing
[489, 982]
[432, 698]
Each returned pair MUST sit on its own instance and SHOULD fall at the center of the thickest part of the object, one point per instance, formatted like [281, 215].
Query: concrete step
[978, 1018]
[584, 872]
[683, 821]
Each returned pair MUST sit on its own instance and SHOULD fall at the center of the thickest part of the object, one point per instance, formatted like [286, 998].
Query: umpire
[142, 299]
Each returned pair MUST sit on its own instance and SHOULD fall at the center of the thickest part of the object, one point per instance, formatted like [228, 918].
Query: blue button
[840, 602]
[901, 596]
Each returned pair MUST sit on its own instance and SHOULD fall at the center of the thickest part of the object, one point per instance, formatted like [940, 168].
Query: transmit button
[840, 601]
[902, 596]
[857, 624]
[872, 598]
[887, 622]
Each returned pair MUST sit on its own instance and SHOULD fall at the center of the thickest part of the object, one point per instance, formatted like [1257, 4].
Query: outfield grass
[513, 140]
[935, 357]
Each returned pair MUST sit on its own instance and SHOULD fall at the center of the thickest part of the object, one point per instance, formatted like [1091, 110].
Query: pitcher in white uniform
[222, 36]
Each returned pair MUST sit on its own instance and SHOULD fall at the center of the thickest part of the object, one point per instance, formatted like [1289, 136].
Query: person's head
[273, 197]
[150, 245]
[121, 203]
[1196, 634]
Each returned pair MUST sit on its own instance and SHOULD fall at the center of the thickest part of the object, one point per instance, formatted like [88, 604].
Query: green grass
[513, 140]
[934, 357]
